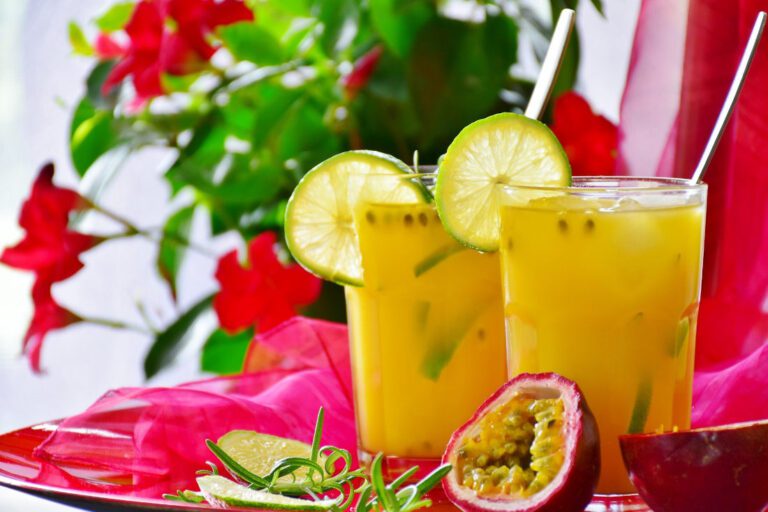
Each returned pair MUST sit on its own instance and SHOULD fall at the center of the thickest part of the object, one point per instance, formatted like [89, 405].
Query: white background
[40, 82]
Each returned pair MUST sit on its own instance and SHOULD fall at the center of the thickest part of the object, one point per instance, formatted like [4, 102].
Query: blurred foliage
[295, 86]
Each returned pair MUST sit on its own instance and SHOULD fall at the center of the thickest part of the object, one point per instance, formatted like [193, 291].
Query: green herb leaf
[115, 17]
[169, 343]
[681, 336]
[642, 405]
[78, 41]
[235, 467]
[432, 260]
[224, 353]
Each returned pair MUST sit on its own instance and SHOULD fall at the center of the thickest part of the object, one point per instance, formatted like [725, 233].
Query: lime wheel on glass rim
[503, 149]
[319, 226]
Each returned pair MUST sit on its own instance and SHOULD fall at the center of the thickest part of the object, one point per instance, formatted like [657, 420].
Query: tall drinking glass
[601, 284]
[426, 334]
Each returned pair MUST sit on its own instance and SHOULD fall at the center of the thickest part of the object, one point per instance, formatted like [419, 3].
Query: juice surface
[426, 331]
[608, 298]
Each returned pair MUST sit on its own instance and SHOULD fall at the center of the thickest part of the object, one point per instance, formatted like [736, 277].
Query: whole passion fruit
[532, 446]
[715, 468]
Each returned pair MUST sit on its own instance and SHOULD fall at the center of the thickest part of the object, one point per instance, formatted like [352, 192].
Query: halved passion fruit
[714, 468]
[532, 446]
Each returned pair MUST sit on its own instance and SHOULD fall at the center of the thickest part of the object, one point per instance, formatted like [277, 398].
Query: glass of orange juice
[426, 334]
[601, 284]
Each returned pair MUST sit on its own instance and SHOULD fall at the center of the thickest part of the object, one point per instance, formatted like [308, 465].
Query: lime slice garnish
[319, 227]
[258, 452]
[503, 149]
[220, 491]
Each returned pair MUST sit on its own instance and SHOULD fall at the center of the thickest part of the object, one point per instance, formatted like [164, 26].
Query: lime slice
[223, 492]
[319, 226]
[504, 149]
[258, 452]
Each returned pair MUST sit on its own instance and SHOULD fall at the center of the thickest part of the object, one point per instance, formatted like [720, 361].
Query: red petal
[226, 12]
[178, 57]
[362, 70]
[145, 28]
[107, 48]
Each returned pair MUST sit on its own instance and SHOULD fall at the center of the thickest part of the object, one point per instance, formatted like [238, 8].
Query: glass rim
[655, 184]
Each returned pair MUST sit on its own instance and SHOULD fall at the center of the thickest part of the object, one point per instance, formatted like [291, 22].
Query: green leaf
[94, 84]
[340, 20]
[599, 6]
[170, 254]
[78, 41]
[224, 353]
[91, 135]
[169, 342]
[251, 42]
[398, 22]
[455, 73]
[115, 17]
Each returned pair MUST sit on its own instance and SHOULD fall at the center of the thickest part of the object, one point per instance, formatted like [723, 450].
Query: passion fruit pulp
[532, 446]
[715, 468]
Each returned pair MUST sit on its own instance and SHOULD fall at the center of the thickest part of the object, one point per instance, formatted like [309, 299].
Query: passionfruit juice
[601, 286]
[426, 331]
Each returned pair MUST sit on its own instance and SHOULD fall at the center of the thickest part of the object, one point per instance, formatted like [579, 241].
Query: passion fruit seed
[518, 450]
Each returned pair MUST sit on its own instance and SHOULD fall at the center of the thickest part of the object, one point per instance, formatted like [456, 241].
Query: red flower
[48, 316]
[263, 293]
[52, 251]
[49, 246]
[362, 71]
[589, 139]
[171, 36]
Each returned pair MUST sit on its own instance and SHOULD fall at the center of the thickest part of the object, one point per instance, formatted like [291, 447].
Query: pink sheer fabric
[684, 55]
[155, 437]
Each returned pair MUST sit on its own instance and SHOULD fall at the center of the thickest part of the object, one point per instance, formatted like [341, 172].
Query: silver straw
[551, 65]
[730, 100]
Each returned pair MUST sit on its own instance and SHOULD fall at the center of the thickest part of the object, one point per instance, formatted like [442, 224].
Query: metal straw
[730, 100]
[551, 65]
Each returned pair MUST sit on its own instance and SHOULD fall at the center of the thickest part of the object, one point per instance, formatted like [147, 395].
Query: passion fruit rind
[533, 445]
[711, 468]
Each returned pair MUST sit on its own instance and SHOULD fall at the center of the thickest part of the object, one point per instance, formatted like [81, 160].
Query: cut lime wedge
[223, 492]
[319, 227]
[504, 149]
[258, 452]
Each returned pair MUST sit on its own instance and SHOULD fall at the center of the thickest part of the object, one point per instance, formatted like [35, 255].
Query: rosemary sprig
[329, 470]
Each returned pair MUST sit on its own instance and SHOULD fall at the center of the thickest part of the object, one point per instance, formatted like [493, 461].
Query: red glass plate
[75, 484]
[96, 489]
